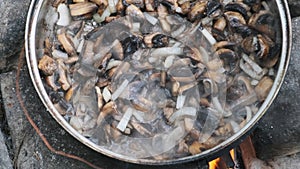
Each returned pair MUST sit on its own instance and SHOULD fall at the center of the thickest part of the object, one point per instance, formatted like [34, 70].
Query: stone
[287, 162]
[278, 133]
[13, 18]
[5, 162]
[294, 6]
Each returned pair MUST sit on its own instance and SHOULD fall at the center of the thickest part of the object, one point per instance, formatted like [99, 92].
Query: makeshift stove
[241, 157]
[230, 159]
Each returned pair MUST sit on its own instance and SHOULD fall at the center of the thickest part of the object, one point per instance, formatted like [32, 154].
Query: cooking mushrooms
[160, 79]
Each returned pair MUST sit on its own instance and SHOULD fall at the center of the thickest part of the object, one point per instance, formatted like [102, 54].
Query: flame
[232, 154]
[217, 163]
[214, 163]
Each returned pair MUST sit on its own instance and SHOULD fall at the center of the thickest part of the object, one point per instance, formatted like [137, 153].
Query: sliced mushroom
[57, 2]
[182, 147]
[142, 104]
[139, 128]
[100, 2]
[159, 41]
[264, 44]
[67, 44]
[107, 109]
[120, 7]
[250, 44]
[215, 64]
[196, 148]
[63, 79]
[247, 98]
[47, 65]
[185, 79]
[196, 55]
[138, 3]
[165, 24]
[185, 7]
[50, 80]
[88, 86]
[163, 76]
[220, 24]
[175, 88]
[239, 7]
[69, 93]
[197, 10]
[162, 11]
[263, 21]
[168, 111]
[224, 130]
[254, 4]
[78, 1]
[134, 11]
[263, 88]
[212, 7]
[148, 39]
[117, 51]
[149, 5]
[235, 19]
[76, 123]
[187, 87]
[99, 97]
[223, 45]
[78, 9]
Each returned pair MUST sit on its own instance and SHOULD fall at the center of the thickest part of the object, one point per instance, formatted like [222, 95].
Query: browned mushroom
[83, 8]
[47, 65]
[196, 148]
[197, 10]
[63, 79]
[263, 88]
[235, 19]
[220, 24]
[263, 21]
[100, 2]
[66, 43]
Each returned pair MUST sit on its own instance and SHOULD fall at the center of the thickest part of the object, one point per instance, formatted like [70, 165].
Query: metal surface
[35, 31]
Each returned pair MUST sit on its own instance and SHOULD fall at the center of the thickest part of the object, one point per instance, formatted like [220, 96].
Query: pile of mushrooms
[159, 79]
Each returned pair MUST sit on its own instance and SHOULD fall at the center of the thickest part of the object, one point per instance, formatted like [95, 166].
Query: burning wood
[249, 156]
[217, 164]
